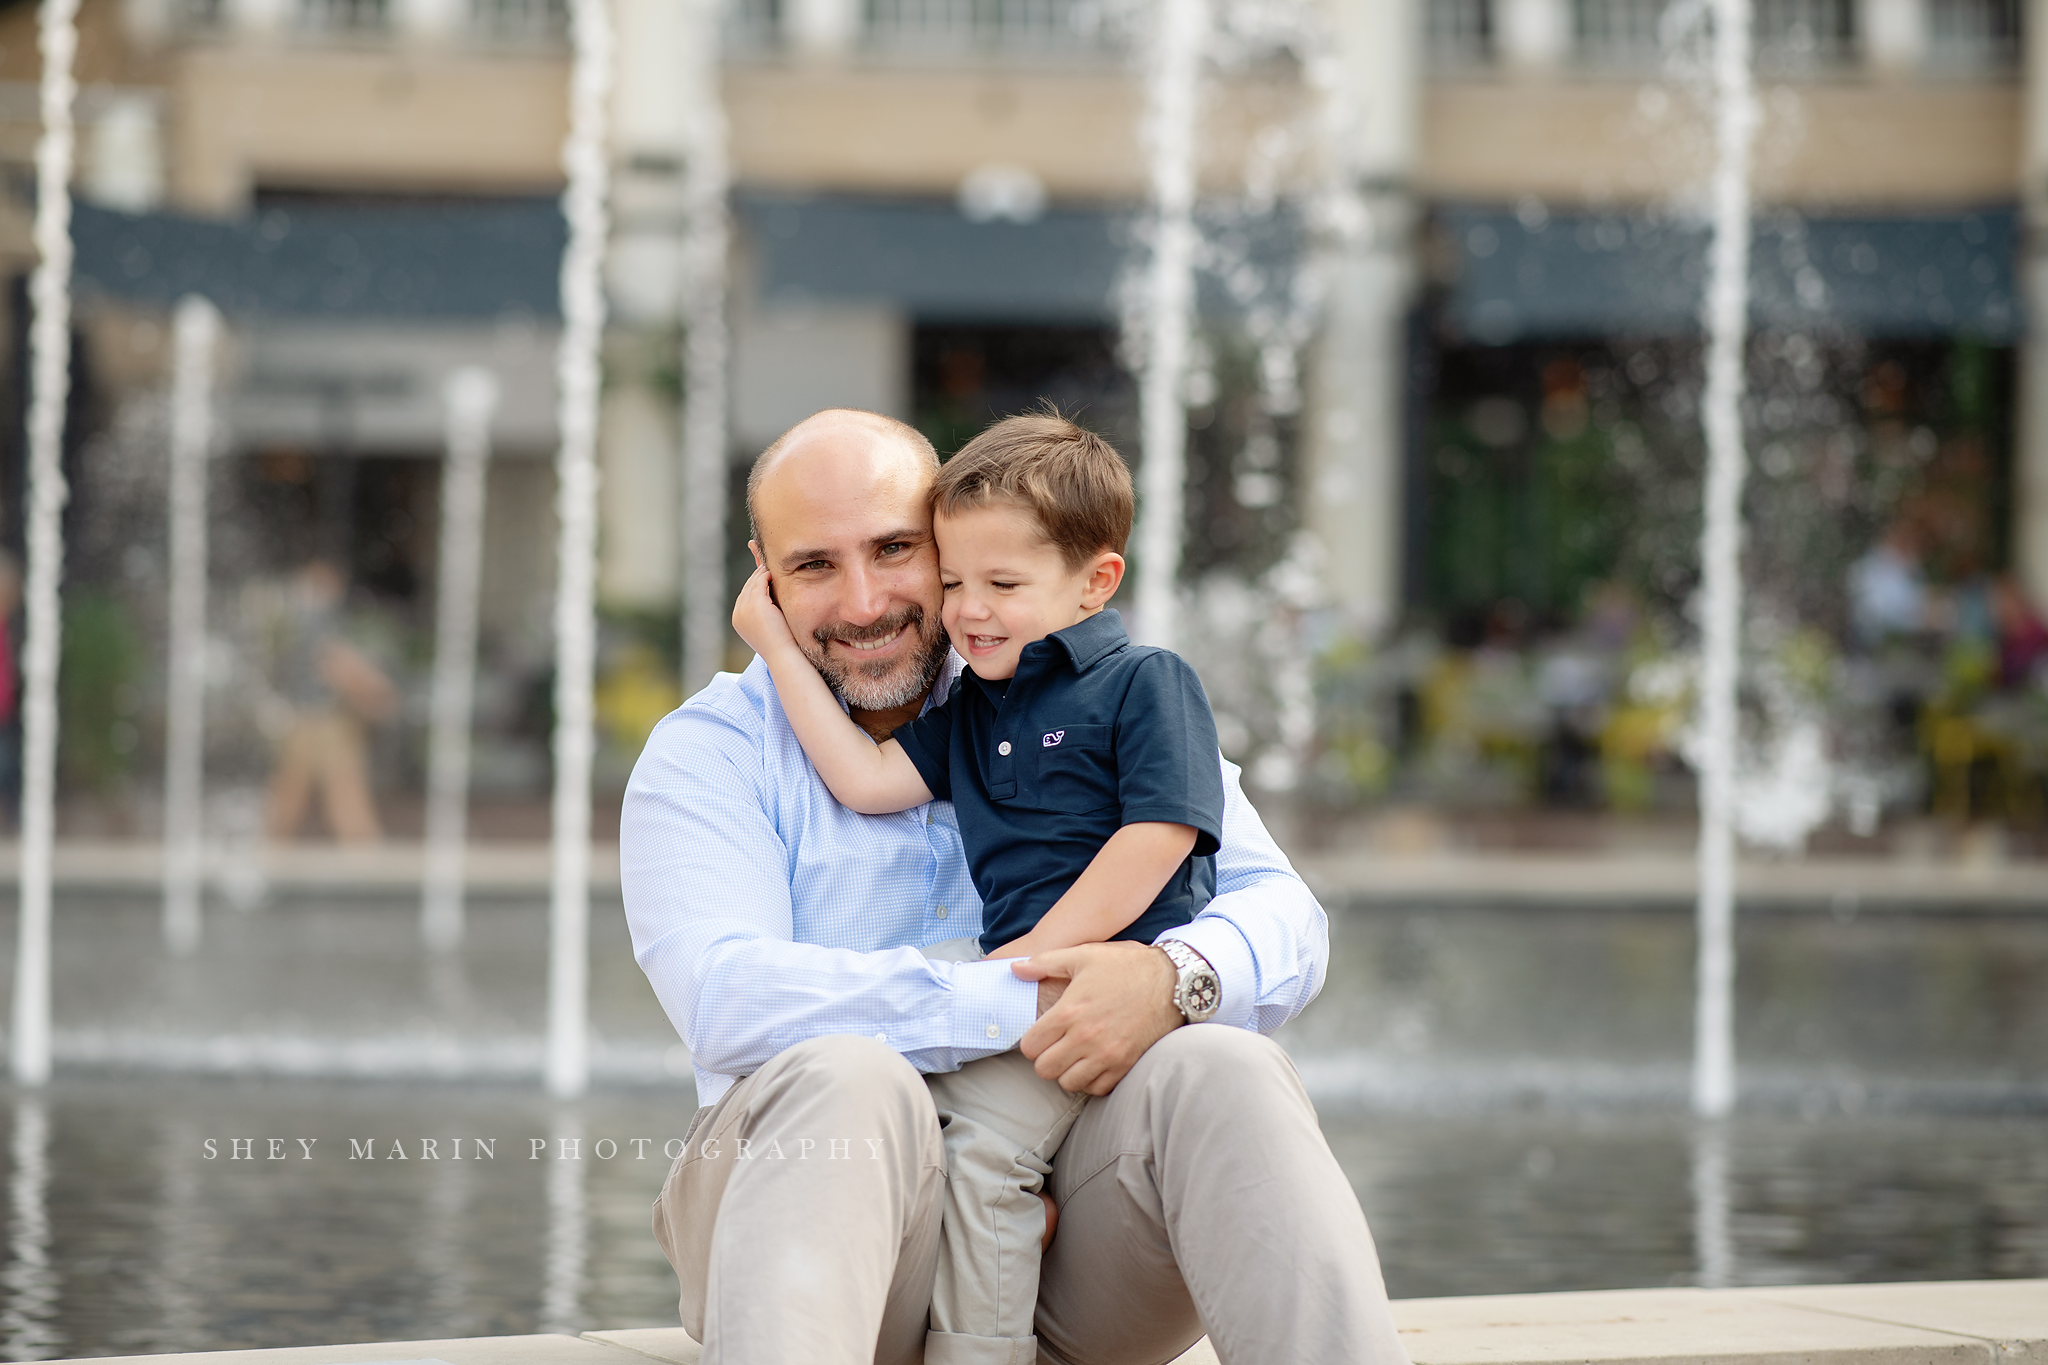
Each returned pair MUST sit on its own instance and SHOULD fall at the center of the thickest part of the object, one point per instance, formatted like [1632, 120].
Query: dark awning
[1533, 274]
[443, 260]
[931, 262]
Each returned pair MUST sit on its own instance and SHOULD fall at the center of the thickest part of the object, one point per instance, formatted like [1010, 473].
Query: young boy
[1084, 773]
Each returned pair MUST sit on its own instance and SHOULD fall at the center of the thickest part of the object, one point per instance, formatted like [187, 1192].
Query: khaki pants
[1002, 1124]
[1199, 1195]
[326, 749]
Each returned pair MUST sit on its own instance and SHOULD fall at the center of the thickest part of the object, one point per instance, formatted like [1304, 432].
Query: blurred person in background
[1888, 588]
[2022, 638]
[328, 692]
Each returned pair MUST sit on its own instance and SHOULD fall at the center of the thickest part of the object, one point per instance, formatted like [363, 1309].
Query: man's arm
[706, 882]
[1264, 931]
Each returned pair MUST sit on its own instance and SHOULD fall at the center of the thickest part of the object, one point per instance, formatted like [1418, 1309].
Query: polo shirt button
[1004, 748]
[939, 913]
[994, 1032]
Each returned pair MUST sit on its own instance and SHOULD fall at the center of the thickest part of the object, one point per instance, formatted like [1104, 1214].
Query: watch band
[1197, 992]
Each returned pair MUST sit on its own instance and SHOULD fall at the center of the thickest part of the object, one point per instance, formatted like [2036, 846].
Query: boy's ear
[1105, 576]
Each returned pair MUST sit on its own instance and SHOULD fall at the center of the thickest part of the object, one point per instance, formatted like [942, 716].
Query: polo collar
[1091, 641]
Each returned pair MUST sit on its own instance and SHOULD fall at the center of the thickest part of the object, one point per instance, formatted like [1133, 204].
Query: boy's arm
[866, 777]
[1120, 882]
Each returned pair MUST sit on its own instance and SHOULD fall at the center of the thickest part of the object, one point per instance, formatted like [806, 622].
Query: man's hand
[1101, 1005]
[758, 620]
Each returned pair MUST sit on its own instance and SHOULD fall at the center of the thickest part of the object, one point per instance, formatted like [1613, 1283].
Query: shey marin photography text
[772, 1148]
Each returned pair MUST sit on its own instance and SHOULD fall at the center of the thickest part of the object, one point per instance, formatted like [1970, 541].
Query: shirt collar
[1089, 642]
[943, 688]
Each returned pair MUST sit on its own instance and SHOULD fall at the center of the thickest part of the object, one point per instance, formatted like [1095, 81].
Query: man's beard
[886, 683]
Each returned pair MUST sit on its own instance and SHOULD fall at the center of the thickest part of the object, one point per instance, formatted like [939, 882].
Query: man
[780, 932]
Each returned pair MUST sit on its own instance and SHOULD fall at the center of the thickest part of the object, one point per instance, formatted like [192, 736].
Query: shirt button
[881, 1037]
[994, 1032]
[940, 913]
[1004, 748]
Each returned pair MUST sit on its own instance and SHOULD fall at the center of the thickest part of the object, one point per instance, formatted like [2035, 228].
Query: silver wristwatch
[1197, 993]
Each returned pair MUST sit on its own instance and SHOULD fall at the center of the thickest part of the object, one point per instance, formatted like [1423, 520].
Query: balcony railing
[1791, 35]
[520, 21]
[1010, 28]
[1459, 34]
[342, 17]
[1973, 37]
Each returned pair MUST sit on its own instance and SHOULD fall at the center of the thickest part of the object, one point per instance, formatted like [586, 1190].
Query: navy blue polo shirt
[1092, 734]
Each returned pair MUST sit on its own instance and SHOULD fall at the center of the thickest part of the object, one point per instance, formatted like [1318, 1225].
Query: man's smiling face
[845, 533]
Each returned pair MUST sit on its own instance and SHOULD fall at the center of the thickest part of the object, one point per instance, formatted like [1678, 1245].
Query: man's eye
[894, 547]
[814, 564]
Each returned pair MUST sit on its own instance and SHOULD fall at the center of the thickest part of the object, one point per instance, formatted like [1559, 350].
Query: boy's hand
[758, 620]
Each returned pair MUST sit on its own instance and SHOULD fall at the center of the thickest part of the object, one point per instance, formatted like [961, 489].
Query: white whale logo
[1053, 739]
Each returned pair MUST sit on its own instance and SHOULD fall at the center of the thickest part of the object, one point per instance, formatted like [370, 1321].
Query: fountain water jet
[583, 312]
[195, 337]
[50, 390]
[471, 396]
[706, 182]
[568, 1234]
[1727, 324]
[1172, 113]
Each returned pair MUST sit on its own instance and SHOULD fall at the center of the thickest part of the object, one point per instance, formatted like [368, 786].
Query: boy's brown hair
[1072, 480]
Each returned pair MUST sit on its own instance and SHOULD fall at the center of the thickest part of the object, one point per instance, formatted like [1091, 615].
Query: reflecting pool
[1503, 1085]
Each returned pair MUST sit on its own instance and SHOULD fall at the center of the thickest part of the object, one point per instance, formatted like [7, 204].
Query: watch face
[1200, 994]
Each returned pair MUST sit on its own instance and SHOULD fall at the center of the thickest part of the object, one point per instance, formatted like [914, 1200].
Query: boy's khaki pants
[1002, 1124]
[1198, 1195]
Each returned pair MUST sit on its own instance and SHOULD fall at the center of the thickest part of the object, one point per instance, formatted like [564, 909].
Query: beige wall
[379, 119]
[1862, 145]
[401, 118]
[921, 130]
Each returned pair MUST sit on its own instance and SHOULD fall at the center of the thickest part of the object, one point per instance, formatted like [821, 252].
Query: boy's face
[1005, 586]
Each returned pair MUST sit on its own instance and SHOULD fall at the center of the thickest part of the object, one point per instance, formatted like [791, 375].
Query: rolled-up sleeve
[706, 880]
[1264, 932]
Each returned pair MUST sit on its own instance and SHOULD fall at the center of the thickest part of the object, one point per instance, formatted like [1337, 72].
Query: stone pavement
[1996, 1322]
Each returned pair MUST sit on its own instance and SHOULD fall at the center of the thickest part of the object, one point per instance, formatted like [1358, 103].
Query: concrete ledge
[544, 1349]
[1999, 1322]
[674, 1346]
[1987, 1322]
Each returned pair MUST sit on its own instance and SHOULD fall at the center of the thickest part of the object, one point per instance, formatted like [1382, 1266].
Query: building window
[1795, 36]
[1791, 36]
[990, 27]
[1460, 34]
[752, 26]
[520, 21]
[344, 16]
[1973, 37]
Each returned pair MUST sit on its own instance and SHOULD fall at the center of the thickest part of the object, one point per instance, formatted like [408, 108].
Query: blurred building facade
[935, 202]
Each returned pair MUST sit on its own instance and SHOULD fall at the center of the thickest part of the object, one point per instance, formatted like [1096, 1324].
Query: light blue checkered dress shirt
[765, 913]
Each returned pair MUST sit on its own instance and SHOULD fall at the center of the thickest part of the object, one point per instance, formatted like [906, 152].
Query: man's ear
[1105, 576]
[755, 546]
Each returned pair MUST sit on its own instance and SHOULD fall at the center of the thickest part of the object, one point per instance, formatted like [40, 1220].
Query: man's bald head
[834, 436]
